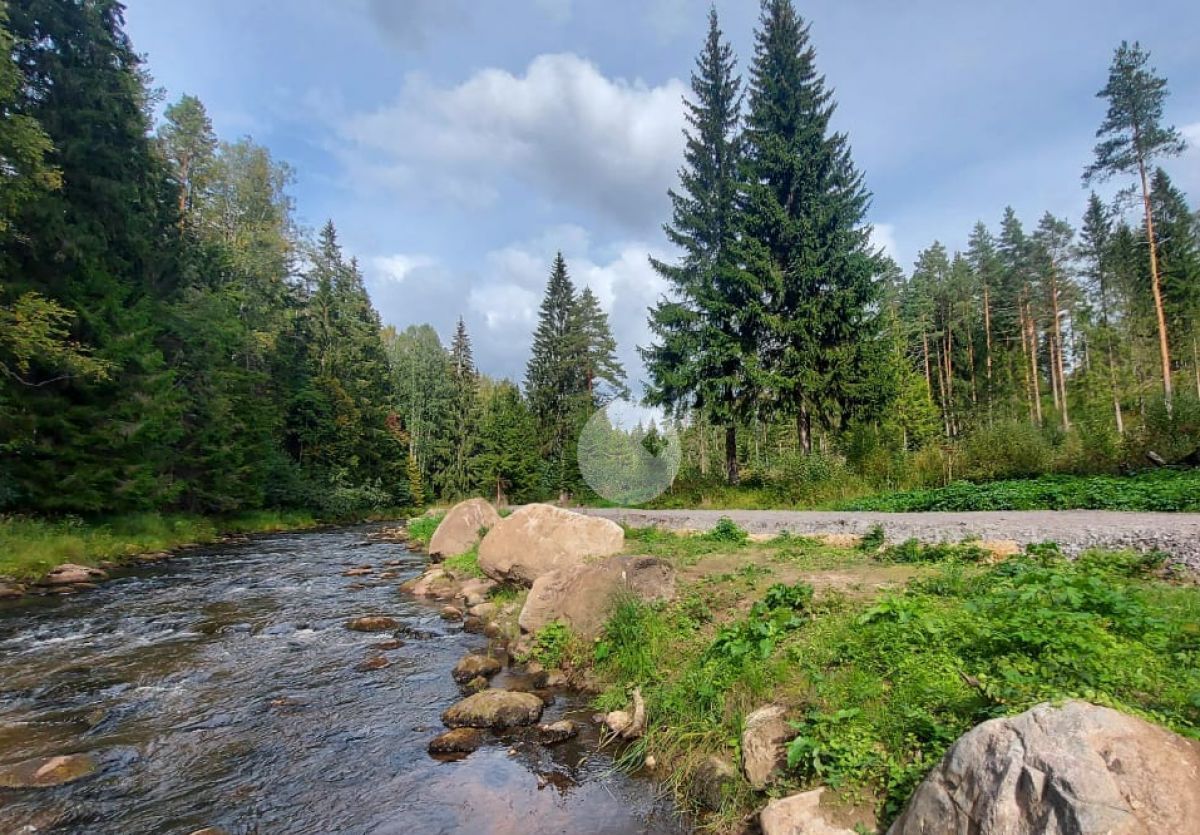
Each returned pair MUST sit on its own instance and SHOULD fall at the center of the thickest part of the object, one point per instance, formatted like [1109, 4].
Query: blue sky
[458, 143]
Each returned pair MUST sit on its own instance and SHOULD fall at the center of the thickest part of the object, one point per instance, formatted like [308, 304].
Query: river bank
[30, 547]
[841, 666]
[222, 688]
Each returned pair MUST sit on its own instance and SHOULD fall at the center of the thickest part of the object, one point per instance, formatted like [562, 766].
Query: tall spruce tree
[1131, 136]
[704, 354]
[1095, 251]
[555, 382]
[806, 240]
[101, 247]
[465, 383]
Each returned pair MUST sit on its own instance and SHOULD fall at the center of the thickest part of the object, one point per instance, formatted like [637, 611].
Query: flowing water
[221, 689]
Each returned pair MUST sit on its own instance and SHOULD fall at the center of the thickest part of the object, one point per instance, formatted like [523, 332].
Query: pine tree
[1095, 250]
[705, 333]
[806, 240]
[189, 144]
[1052, 243]
[1131, 137]
[1179, 266]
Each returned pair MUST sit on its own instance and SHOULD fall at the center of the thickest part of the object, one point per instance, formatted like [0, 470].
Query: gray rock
[1077, 769]
[498, 709]
[473, 665]
[764, 745]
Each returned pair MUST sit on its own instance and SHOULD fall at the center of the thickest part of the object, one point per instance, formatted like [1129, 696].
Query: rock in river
[497, 709]
[556, 732]
[68, 574]
[470, 666]
[372, 623]
[1074, 768]
[47, 771]
[457, 741]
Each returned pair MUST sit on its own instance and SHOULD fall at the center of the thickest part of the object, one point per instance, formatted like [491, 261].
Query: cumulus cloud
[396, 268]
[607, 145]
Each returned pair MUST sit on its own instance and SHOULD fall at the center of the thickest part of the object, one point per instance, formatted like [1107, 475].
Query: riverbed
[222, 689]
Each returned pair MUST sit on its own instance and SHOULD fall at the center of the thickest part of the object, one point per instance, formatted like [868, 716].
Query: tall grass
[30, 547]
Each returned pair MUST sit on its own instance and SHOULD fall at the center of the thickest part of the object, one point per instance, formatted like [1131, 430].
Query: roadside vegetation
[882, 655]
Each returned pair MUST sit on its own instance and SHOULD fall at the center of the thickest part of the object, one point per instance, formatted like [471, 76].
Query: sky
[458, 144]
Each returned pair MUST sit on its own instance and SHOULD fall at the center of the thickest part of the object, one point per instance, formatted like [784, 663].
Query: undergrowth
[421, 528]
[879, 688]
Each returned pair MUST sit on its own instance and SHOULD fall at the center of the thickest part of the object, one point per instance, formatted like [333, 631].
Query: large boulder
[498, 709]
[459, 530]
[1075, 769]
[540, 538]
[765, 736]
[70, 574]
[581, 596]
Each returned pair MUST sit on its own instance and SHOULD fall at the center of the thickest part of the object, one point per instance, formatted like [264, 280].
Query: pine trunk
[987, 333]
[804, 429]
[1164, 348]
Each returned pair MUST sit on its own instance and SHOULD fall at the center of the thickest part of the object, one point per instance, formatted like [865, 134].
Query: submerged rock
[764, 745]
[557, 732]
[457, 741]
[473, 665]
[372, 623]
[47, 771]
[459, 530]
[1078, 768]
[497, 709]
[69, 574]
[375, 662]
[451, 613]
[539, 538]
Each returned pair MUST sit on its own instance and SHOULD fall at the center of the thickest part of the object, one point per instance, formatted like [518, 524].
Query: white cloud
[396, 268]
[883, 236]
[605, 144]
[1192, 134]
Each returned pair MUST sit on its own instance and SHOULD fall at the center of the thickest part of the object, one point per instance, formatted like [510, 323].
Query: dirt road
[1177, 534]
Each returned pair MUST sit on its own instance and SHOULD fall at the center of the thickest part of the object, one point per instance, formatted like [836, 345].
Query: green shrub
[726, 531]
[1007, 449]
[421, 528]
[550, 644]
[467, 563]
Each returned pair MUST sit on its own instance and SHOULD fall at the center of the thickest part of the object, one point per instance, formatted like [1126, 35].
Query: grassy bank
[883, 657]
[29, 547]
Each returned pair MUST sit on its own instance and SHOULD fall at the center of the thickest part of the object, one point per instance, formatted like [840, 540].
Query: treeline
[471, 434]
[168, 337]
[795, 353]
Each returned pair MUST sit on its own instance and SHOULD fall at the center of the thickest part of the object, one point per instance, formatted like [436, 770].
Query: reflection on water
[221, 689]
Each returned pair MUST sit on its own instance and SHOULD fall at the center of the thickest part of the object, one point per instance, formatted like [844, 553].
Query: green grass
[466, 564]
[878, 688]
[1155, 490]
[30, 547]
[421, 528]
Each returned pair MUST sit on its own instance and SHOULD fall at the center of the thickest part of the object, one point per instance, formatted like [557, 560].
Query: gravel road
[1177, 534]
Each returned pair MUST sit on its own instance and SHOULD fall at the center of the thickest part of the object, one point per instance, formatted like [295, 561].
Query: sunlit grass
[30, 547]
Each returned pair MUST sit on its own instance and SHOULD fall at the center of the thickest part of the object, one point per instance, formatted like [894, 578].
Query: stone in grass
[498, 709]
[473, 665]
[47, 771]
[372, 623]
[457, 741]
[764, 745]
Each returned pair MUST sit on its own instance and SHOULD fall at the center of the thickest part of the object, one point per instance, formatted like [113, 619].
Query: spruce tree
[1179, 266]
[1095, 250]
[100, 247]
[807, 243]
[555, 382]
[465, 383]
[603, 373]
[1131, 136]
[505, 463]
[704, 354]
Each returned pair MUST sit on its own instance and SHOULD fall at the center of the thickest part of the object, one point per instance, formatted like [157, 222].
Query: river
[221, 689]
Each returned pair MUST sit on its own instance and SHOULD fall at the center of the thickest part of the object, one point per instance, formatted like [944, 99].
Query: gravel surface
[1177, 534]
